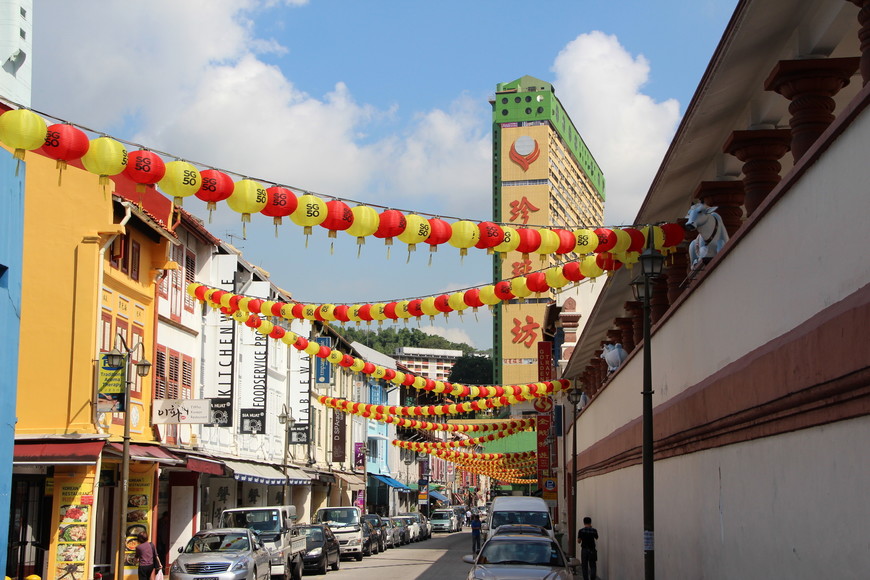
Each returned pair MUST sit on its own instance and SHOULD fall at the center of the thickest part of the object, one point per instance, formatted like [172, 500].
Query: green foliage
[387, 340]
[472, 369]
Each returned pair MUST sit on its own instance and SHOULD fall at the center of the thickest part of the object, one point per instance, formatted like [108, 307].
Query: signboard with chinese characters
[544, 423]
[519, 341]
[359, 455]
[339, 437]
[175, 411]
[140, 508]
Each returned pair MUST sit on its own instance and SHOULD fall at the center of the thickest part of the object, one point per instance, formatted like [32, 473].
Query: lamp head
[638, 288]
[143, 367]
[652, 262]
[115, 358]
[574, 396]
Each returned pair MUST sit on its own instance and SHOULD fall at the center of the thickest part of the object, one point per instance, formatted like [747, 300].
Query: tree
[472, 369]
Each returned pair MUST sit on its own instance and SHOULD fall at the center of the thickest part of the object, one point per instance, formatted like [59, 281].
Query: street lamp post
[409, 459]
[119, 359]
[652, 262]
[286, 419]
[575, 396]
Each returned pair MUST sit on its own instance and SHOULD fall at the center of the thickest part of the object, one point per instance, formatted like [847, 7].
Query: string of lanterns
[24, 130]
[470, 442]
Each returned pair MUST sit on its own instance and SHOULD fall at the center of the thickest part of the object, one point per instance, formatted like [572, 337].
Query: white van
[510, 509]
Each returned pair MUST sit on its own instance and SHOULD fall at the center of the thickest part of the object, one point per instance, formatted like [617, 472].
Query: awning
[255, 472]
[391, 482]
[48, 452]
[153, 453]
[439, 496]
[377, 436]
[201, 465]
[354, 482]
[298, 477]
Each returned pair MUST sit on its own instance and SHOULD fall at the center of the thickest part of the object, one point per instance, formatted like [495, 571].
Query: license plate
[206, 578]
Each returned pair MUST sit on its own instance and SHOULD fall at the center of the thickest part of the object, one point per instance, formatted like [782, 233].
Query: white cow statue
[613, 355]
[712, 234]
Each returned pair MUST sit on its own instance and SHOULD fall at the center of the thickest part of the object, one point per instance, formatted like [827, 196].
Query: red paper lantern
[216, 186]
[503, 290]
[606, 261]
[339, 217]
[674, 234]
[415, 307]
[254, 305]
[390, 310]
[530, 240]
[277, 309]
[638, 240]
[340, 313]
[297, 309]
[491, 235]
[606, 240]
[323, 352]
[441, 303]
[280, 203]
[441, 233]
[144, 168]
[567, 241]
[64, 143]
[365, 312]
[277, 333]
[301, 343]
[346, 361]
[537, 282]
[571, 271]
[391, 223]
[472, 298]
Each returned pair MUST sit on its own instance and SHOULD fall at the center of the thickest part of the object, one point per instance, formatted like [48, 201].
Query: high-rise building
[16, 50]
[543, 176]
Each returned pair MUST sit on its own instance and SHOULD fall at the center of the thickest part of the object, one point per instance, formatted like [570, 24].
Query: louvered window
[189, 278]
[160, 374]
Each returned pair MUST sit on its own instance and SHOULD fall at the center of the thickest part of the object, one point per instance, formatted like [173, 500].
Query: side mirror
[180, 549]
[468, 559]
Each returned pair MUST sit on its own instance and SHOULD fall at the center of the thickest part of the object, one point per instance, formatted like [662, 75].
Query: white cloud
[600, 84]
[451, 334]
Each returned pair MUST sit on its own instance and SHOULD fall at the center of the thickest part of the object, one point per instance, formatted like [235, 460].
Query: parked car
[519, 510]
[369, 542]
[344, 521]
[418, 532]
[444, 521]
[521, 529]
[322, 549]
[521, 556]
[425, 526]
[379, 530]
[401, 531]
[276, 527]
[413, 527]
[223, 554]
[388, 533]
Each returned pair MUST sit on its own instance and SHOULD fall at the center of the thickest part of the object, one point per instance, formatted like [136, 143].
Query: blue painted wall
[11, 241]
[378, 464]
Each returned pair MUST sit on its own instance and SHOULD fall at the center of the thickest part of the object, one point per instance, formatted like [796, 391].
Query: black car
[379, 527]
[370, 545]
[321, 549]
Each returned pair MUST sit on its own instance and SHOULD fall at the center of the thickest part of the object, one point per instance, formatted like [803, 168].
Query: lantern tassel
[306, 240]
[331, 248]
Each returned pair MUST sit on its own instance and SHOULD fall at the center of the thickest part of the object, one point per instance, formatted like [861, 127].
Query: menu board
[140, 504]
[74, 505]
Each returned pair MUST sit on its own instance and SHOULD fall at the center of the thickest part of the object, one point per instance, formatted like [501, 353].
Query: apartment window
[173, 375]
[189, 278]
[117, 251]
[175, 286]
[186, 377]
[106, 332]
[160, 373]
[135, 251]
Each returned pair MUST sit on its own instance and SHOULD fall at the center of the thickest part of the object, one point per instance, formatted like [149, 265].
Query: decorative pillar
[677, 270]
[634, 309]
[760, 151]
[810, 85]
[659, 300]
[864, 36]
[600, 367]
[728, 196]
[626, 327]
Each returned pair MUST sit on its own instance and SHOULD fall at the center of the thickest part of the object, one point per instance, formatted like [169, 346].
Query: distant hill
[387, 340]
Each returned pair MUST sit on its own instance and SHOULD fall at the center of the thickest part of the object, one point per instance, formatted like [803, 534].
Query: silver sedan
[222, 554]
[521, 556]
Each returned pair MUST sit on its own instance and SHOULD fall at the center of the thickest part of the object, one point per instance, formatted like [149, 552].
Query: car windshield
[313, 534]
[346, 517]
[217, 542]
[440, 516]
[373, 520]
[515, 517]
[264, 522]
[521, 553]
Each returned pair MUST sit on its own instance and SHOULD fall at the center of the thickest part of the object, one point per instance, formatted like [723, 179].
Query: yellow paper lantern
[335, 357]
[549, 242]
[248, 197]
[379, 372]
[312, 348]
[265, 327]
[105, 157]
[555, 278]
[357, 365]
[22, 130]
[428, 307]
[590, 268]
[266, 307]
[309, 312]
[181, 180]
[243, 303]
[519, 288]
[310, 212]
[623, 241]
[465, 235]
[365, 223]
[417, 229]
[289, 338]
[456, 301]
[587, 241]
[240, 316]
[327, 312]
[378, 312]
[353, 313]
[399, 378]
[402, 309]
[510, 242]
[487, 295]
[419, 382]
[658, 236]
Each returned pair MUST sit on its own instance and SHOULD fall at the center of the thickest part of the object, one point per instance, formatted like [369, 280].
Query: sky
[383, 102]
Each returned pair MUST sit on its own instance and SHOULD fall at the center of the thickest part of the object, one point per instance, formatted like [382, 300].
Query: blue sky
[381, 101]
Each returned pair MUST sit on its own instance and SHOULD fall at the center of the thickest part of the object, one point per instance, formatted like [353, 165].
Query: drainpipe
[120, 229]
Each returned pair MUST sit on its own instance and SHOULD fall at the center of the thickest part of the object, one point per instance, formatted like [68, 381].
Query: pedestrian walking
[147, 558]
[586, 536]
[475, 533]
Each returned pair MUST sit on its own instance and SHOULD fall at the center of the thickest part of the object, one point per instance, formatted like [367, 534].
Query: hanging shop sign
[181, 411]
[322, 368]
[111, 389]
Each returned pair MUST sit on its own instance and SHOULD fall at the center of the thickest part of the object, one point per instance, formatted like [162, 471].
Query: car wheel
[382, 546]
[358, 557]
[323, 567]
[337, 564]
